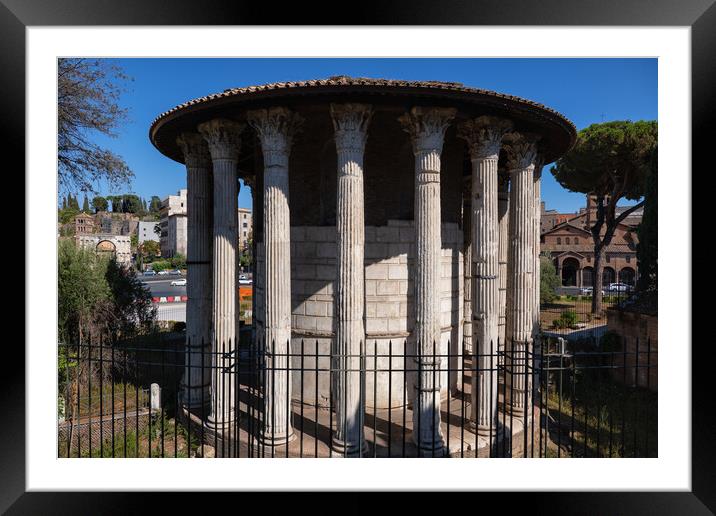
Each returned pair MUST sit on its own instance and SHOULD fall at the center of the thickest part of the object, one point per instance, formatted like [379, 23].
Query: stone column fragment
[427, 127]
[224, 140]
[197, 377]
[521, 152]
[484, 138]
[350, 122]
[276, 127]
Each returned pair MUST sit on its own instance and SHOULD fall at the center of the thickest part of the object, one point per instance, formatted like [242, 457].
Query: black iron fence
[177, 399]
[570, 314]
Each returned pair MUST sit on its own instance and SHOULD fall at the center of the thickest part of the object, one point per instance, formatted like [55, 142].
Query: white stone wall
[389, 310]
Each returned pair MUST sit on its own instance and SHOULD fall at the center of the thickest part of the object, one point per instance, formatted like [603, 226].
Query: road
[160, 286]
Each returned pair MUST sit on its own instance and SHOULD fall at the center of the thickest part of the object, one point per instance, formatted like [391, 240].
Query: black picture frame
[700, 15]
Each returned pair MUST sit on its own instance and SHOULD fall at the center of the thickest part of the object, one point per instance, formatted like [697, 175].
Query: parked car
[619, 287]
[163, 273]
[587, 291]
[149, 273]
[245, 281]
[175, 272]
[179, 282]
[243, 276]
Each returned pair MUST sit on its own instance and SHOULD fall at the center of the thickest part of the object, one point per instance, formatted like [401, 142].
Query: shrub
[567, 319]
[179, 326]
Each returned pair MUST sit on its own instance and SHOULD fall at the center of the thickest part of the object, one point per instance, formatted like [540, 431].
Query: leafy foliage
[97, 298]
[609, 161]
[548, 281]
[646, 251]
[88, 93]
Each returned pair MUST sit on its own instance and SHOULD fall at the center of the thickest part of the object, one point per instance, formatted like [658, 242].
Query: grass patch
[597, 416]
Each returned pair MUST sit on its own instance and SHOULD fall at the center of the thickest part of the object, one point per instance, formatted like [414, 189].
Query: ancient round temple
[387, 213]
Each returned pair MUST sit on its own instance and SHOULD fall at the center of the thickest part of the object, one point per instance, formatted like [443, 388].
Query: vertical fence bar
[315, 406]
[361, 389]
[375, 397]
[648, 390]
[405, 389]
[124, 402]
[390, 397]
[462, 401]
[636, 396]
[101, 399]
[303, 421]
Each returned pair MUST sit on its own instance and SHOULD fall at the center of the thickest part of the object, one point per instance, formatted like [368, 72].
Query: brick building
[570, 245]
[245, 228]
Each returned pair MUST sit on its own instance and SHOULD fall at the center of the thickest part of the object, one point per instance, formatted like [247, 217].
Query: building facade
[84, 224]
[117, 246]
[570, 245]
[146, 231]
[376, 203]
[173, 224]
[245, 224]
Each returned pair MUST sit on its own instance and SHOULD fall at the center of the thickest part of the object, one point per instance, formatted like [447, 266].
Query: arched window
[576, 240]
[559, 240]
[567, 240]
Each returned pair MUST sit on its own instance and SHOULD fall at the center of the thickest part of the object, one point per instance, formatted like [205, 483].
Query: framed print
[424, 233]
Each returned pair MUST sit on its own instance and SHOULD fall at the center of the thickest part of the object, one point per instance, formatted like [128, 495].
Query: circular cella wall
[390, 241]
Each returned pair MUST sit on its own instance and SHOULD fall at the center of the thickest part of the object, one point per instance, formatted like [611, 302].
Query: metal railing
[557, 399]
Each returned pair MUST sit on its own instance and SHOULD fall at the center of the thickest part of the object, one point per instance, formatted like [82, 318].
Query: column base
[338, 449]
[482, 430]
[276, 440]
[437, 452]
[219, 426]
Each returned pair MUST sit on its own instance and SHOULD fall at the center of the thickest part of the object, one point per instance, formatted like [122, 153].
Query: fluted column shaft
[520, 280]
[484, 137]
[427, 128]
[197, 376]
[350, 122]
[467, 268]
[536, 191]
[223, 138]
[503, 206]
[275, 128]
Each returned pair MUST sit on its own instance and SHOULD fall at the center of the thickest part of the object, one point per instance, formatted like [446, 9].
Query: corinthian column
[276, 127]
[503, 207]
[467, 264]
[427, 128]
[521, 153]
[197, 377]
[223, 137]
[350, 122]
[536, 191]
[484, 138]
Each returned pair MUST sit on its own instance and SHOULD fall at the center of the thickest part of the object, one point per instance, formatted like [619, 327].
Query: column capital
[484, 135]
[195, 150]
[521, 150]
[427, 126]
[223, 137]
[350, 123]
[276, 127]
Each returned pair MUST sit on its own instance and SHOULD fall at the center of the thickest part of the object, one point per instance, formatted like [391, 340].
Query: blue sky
[586, 91]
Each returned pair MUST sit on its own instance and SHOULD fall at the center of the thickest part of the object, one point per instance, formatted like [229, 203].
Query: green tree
[97, 298]
[178, 261]
[549, 281]
[85, 205]
[149, 249]
[99, 204]
[155, 205]
[609, 161]
[88, 93]
[646, 250]
[131, 203]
